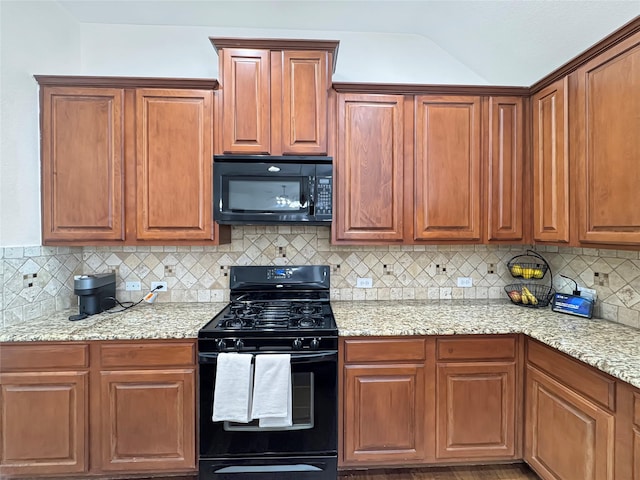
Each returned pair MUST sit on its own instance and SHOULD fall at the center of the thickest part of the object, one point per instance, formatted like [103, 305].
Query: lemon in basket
[516, 270]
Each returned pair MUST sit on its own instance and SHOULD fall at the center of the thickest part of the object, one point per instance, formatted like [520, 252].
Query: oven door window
[301, 405]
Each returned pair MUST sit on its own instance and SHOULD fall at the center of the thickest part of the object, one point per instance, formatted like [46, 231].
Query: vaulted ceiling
[520, 40]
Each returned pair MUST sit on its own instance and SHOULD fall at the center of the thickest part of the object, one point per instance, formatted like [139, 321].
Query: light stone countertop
[610, 347]
[144, 321]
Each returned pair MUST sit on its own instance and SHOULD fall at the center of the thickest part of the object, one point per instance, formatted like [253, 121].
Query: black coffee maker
[96, 293]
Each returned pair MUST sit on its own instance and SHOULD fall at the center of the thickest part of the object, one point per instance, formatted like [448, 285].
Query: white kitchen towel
[232, 391]
[272, 391]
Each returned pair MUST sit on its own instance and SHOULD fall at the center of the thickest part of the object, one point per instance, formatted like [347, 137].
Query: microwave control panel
[324, 196]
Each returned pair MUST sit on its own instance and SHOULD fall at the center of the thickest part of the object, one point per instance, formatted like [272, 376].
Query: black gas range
[274, 310]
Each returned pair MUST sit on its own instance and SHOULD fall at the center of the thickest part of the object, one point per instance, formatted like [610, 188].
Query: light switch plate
[465, 282]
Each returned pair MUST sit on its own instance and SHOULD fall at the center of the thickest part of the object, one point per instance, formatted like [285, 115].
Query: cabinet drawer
[49, 356]
[636, 409]
[491, 348]
[384, 350]
[136, 354]
[581, 378]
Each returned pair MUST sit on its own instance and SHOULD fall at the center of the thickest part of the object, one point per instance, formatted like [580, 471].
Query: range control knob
[297, 344]
[315, 344]
[221, 344]
[239, 344]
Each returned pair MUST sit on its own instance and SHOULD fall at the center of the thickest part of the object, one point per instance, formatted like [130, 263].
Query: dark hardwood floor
[493, 472]
[485, 472]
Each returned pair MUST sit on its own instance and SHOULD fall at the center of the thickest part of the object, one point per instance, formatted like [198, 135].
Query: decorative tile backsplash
[39, 279]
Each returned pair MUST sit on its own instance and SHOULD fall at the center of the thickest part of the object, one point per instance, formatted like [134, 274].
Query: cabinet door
[369, 168]
[447, 168]
[147, 420]
[505, 168]
[43, 423]
[566, 436]
[174, 159]
[384, 414]
[82, 164]
[246, 93]
[605, 145]
[551, 164]
[304, 103]
[475, 410]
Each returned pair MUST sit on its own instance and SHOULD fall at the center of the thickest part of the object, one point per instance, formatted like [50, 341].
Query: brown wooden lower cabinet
[418, 400]
[147, 420]
[144, 399]
[43, 423]
[636, 453]
[476, 394]
[383, 401]
[101, 407]
[44, 408]
[567, 437]
[384, 413]
[475, 410]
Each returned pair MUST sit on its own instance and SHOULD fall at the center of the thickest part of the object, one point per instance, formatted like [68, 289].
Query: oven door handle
[296, 358]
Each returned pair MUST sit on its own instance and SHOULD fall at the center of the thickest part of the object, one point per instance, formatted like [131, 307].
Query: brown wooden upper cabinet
[128, 164]
[82, 131]
[551, 163]
[274, 95]
[605, 143]
[174, 146]
[413, 168]
[505, 167]
[447, 168]
[369, 168]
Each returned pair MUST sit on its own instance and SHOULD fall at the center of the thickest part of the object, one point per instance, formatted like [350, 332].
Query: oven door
[315, 409]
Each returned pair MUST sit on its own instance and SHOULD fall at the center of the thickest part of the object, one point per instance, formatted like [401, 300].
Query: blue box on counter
[572, 304]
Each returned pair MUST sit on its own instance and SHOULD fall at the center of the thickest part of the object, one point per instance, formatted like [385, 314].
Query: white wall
[173, 51]
[36, 37]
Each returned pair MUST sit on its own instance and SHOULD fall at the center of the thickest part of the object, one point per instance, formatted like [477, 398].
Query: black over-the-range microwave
[268, 190]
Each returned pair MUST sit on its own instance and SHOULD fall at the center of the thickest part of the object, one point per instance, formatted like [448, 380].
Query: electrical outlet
[364, 282]
[132, 286]
[162, 285]
[465, 282]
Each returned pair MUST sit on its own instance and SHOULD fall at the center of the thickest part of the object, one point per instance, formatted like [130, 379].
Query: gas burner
[245, 310]
[235, 323]
[306, 321]
[306, 309]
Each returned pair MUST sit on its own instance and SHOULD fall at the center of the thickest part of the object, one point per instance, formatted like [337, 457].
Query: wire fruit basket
[531, 295]
[530, 266]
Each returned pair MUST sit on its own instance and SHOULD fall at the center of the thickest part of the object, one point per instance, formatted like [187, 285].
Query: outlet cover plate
[162, 285]
[132, 286]
[364, 282]
[465, 282]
